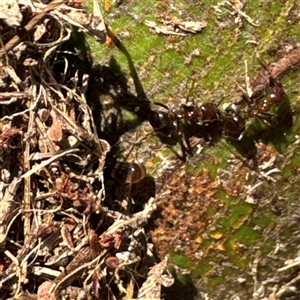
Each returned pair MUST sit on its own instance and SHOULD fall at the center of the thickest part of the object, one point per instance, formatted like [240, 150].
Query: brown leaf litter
[57, 239]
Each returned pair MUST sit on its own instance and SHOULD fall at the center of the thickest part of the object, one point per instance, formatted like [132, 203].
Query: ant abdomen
[128, 172]
[276, 92]
[159, 119]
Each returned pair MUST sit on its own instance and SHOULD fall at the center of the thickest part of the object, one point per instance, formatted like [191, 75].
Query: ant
[163, 122]
[126, 174]
[229, 122]
[262, 100]
[206, 120]
[274, 95]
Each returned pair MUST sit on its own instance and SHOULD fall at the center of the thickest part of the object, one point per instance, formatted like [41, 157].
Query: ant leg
[183, 137]
[272, 119]
[179, 134]
[180, 157]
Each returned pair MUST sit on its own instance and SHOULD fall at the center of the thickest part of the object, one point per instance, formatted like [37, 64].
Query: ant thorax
[209, 112]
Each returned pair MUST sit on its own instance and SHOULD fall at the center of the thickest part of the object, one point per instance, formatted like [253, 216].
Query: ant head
[190, 113]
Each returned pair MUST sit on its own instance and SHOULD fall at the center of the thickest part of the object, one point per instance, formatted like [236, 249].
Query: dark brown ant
[230, 122]
[207, 117]
[126, 174]
[162, 122]
[203, 121]
[205, 113]
[263, 99]
[175, 121]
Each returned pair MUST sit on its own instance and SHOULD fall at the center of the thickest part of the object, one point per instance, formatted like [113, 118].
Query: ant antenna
[222, 99]
[262, 61]
[265, 66]
[162, 105]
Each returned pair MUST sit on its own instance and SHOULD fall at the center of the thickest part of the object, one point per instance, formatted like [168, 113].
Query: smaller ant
[205, 113]
[261, 102]
[229, 122]
[128, 172]
[163, 122]
[274, 96]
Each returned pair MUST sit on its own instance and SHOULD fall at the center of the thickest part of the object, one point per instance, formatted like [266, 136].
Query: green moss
[268, 246]
[211, 212]
[206, 244]
[286, 232]
[226, 199]
[245, 235]
[216, 280]
[264, 220]
[291, 168]
[209, 163]
[202, 269]
[216, 157]
[180, 260]
[234, 215]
